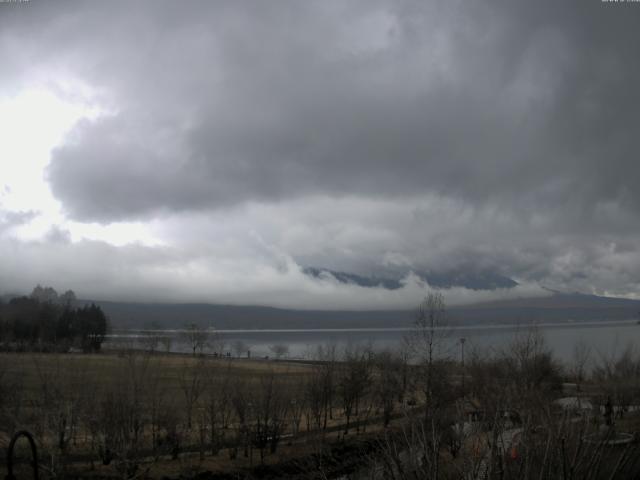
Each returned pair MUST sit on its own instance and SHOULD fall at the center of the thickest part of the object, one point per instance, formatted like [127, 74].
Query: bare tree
[531, 371]
[354, 379]
[426, 343]
[279, 350]
[156, 402]
[11, 395]
[150, 338]
[297, 403]
[121, 417]
[538, 445]
[218, 405]
[216, 343]
[327, 357]
[268, 414]
[619, 375]
[315, 398]
[580, 363]
[62, 384]
[166, 341]
[241, 404]
[428, 334]
[192, 380]
[240, 348]
[387, 383]
[196, 338]
[149, 341]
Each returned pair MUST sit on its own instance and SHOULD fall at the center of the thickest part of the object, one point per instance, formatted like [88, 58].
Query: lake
[603, 338]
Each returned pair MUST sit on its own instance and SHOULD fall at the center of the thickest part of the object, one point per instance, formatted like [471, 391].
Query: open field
[105, 367]
[170, 414]
[134, 414]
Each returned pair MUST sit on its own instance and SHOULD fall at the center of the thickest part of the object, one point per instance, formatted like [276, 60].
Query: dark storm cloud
[527, 102]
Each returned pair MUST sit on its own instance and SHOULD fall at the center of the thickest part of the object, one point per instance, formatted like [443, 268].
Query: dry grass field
[29, 368]
[133, 414]
[125, 413]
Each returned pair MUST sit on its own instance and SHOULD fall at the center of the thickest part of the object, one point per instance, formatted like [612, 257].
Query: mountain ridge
[473, 280]
[555, 308]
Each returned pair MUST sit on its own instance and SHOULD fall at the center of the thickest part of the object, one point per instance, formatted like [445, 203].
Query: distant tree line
[45, 320]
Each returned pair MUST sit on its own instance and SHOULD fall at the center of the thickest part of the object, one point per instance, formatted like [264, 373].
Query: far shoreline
[492, 326]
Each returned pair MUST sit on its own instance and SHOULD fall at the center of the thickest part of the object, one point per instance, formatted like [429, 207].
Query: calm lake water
[603, 338]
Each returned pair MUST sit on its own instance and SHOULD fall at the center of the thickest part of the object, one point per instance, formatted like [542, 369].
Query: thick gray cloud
[360, 135]
[215, 104]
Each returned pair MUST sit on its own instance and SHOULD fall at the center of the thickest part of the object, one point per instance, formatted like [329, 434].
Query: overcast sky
[207, 151]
